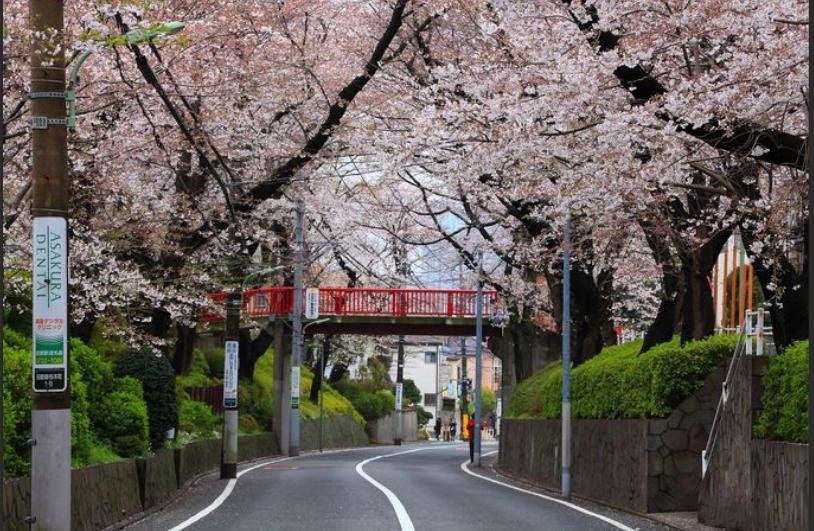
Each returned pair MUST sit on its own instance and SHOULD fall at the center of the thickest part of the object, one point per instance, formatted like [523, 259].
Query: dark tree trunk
[525, 347]
[338, 370]
[184, 348]
[790, 318]
[604, 286]
[668, 315]
[251, 350]
[84, 330]
[586, 321]
[696, 268]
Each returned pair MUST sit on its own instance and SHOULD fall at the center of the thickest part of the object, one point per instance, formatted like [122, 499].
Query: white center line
[618, 525]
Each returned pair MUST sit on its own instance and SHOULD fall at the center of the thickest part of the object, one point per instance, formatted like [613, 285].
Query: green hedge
[619, 383]
[785, 396]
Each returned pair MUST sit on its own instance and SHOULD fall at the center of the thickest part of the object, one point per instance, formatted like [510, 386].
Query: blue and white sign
[230, 368]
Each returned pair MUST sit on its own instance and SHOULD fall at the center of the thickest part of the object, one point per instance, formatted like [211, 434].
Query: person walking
[437, 428]
[470, 427]
[453, 427]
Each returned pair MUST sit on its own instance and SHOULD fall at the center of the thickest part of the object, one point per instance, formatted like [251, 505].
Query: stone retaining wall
[753, 484]
[103, 495]
[643, 465]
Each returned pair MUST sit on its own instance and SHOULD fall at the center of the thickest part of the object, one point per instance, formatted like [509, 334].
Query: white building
[425, 362]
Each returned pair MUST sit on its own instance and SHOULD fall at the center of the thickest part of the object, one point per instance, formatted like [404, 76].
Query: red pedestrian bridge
[375, 311]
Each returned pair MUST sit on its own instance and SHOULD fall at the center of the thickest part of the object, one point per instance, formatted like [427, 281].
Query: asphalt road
[427, 490]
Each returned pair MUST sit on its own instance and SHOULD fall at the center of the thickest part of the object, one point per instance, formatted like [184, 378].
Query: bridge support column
[281, 421]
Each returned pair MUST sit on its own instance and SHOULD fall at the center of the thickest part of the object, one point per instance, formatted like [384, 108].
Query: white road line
[223, 495]
[614, 523]
[401, 513]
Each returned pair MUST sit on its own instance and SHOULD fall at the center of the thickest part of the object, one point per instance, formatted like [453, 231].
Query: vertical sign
[295, 387]
[399, 394]
[230, 368]
[50, 308]
[312, 303]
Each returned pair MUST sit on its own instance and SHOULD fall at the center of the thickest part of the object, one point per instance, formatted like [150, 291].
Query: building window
[430, 357]
[430, 399]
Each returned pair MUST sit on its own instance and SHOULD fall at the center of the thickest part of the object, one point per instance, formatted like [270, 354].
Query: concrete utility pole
[2, 293]
[296, 335]
[51, 408]
[566, 359]
[231, 361]
[478, 358]
[464, 372]
[399, 389]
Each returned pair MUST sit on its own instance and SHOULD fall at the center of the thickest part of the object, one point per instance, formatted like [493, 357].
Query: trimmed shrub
[247, 424]
[371, 405]
[122, 419]
[785, 396]
[157, 378]
[197, 418]
[618, 383]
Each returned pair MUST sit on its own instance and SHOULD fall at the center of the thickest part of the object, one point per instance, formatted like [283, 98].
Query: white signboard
[451, 389]
[50, 306]
[399, 394]
[295, 387]
[230, 374]
[312, 303]
[499, 407]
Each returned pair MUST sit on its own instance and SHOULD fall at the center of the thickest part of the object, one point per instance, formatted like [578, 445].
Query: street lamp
[131, 38]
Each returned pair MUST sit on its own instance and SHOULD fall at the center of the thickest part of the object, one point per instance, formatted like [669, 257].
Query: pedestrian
[470, 427]
[437, 428]
[492, 422]
[453, 427]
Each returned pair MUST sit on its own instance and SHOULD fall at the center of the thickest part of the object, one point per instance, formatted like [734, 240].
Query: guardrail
[754, 330]
[392, 302]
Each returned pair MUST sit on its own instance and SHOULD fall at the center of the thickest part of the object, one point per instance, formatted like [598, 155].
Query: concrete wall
[644, 465]
[753, 484]
[383, 430]
[608, 456]
[105, 494]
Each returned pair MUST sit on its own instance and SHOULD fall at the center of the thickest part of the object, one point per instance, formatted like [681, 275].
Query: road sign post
[478, 359]
[231, 361]
[296, 333]
[51, 404]
[399, 382]
[566, 359]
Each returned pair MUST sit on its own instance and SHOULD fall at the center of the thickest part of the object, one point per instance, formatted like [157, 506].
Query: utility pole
[296, 335]
[464, 371]
[566, 359]
[51, 405]
[478, 358]
[231, 361]
[399, 389]
[326, 345]
[2, 293]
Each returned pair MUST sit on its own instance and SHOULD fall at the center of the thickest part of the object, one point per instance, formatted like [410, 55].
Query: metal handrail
[744, 347]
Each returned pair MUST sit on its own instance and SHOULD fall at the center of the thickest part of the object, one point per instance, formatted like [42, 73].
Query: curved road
[422, 487]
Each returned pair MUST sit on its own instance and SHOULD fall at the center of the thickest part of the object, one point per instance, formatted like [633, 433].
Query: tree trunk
[668, 316]
[790, 317]
[696, 269]
[251, 350]
[184, 348]
[319, 369]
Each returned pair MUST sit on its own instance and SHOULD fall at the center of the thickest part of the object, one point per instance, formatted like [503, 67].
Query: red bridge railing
[386, 302]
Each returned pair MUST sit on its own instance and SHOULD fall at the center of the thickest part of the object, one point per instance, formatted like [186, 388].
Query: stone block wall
[753, 484]
[674, 447]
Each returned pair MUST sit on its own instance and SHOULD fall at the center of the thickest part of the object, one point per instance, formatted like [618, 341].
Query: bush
[197, 418]
[371, 405]
[488, 403]
[247, 424]
[785, 396]
[411, 392]
[157, 378]
[123, 421]
[619, 383]
[422, 415]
